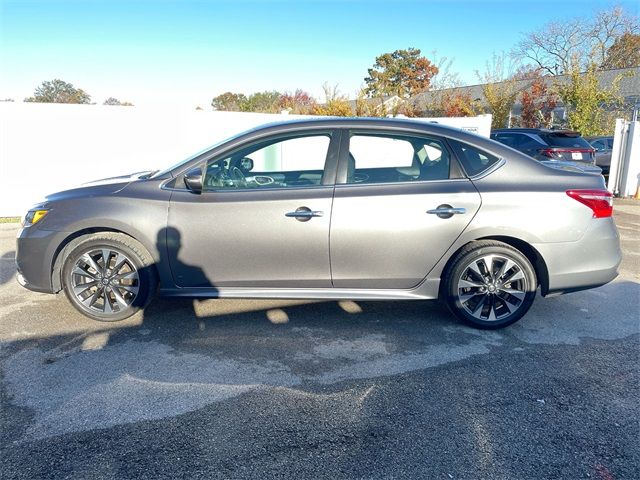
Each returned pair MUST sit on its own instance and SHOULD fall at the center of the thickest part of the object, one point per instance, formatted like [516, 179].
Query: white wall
[45, 148]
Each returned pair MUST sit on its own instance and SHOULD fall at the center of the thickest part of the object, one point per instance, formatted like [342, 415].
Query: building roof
[629, 86]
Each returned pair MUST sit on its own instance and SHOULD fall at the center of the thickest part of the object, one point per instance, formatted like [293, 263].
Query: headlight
[34, 216]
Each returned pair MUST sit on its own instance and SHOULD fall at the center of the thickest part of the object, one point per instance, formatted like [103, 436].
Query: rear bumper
[35, 254]
[590, 262]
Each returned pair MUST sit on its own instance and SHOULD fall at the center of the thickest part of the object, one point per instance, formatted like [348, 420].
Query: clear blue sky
[186, 52]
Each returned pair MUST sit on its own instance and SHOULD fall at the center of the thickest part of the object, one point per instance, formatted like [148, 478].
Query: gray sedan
[603, 147]
[329, 209]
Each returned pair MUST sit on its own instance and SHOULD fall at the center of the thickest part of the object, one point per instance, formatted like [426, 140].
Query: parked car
[560, 148]
[328, 209]
[603, 147]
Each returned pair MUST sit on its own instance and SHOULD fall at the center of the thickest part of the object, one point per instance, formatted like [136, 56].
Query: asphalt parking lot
[266, 389]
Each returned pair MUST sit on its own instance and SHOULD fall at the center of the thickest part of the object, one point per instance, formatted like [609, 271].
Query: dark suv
[564, 148]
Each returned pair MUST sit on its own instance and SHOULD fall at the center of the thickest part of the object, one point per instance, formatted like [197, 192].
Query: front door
[399, 207]
[262, 219]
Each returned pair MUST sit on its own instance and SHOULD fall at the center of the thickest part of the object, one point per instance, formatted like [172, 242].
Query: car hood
[104, 186]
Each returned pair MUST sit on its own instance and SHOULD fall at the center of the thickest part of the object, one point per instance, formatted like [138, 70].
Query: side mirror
[247, 164]
[193, 180]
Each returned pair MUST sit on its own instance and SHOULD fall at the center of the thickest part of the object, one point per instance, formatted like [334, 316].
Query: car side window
[525, 142]
[505, 138]
[474, 161]
[599, 145]
[292, 162]
[387, 158]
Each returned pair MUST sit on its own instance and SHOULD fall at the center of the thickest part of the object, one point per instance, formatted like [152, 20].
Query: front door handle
[304, 214]
[447, 211]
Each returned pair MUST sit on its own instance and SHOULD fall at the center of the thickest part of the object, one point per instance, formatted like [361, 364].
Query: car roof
[533, 130]
[338, 122]
[399, 124]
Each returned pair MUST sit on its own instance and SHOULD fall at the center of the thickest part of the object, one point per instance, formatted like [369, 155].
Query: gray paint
[362, 246]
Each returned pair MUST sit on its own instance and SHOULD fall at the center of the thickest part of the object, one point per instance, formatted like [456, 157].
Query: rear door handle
[447, 211]
[304, 214]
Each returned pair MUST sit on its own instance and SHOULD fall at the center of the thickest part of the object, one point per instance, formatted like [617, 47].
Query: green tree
[403, 73]
[499, 89]
[229, 102]
[590, 107]
[624, 53]
[263, 102]
[58, 91]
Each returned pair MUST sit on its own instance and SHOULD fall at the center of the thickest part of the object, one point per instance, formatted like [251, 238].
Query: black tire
[484, 299]
[124, 292]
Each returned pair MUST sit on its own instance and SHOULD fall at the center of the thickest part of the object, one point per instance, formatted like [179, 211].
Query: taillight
[556, 153]
[599, 201]
[549, 153]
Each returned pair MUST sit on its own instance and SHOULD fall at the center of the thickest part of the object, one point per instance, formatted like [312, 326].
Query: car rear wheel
[108, 276]
[490, 284]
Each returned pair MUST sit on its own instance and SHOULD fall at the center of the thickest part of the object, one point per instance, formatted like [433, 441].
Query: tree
[402, 72]
[607, 27]
[366, 106]
[299, 102]
[624, 53]
[229, 102]
[455, 103]
[58, 91]
[444, 77]
[537, 103]
[560, 45]
[589, 105]
[264, 102]
[335, 105]
[115, 101]
[499, 89]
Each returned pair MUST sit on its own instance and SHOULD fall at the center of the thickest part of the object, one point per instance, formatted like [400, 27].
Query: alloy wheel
[105, 281]
[492, 287]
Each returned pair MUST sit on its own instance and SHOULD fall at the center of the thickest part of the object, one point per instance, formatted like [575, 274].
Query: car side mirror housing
[247, 164]
[193, 180]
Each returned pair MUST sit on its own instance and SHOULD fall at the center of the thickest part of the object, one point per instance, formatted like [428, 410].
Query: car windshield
[565, 140]
[160, 173]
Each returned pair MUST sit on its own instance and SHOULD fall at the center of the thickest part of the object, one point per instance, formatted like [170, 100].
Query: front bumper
[36, 251]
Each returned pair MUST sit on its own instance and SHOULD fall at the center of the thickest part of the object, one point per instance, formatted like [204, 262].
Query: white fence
[45, 148]
[624, 173]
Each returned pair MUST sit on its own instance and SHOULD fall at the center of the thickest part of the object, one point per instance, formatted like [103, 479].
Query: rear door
[400, 202]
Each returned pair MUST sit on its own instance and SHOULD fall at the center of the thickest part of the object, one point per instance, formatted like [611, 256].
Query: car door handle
[304, 214]
[447, 211]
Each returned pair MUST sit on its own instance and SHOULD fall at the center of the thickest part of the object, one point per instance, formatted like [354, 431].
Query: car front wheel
[490, 284]
[108, 276]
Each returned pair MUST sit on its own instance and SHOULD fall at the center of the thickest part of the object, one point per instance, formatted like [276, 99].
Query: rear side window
[525, 142]
[505, 138]
[391, 158]
[562, 140]
[473, 161]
